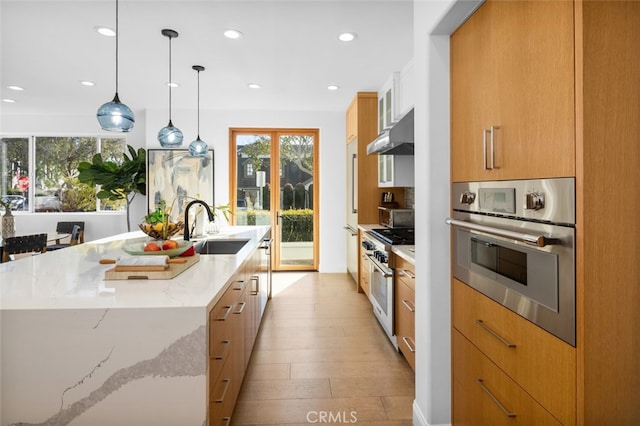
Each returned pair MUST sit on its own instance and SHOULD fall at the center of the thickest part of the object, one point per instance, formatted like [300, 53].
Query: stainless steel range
[376, 245]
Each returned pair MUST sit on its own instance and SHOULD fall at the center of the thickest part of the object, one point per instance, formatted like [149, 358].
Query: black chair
[67, 228]
[24, 244]
[75, 239]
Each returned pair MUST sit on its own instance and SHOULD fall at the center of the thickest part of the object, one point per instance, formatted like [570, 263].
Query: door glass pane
[14, 169]
[296, 183]
[253, 182]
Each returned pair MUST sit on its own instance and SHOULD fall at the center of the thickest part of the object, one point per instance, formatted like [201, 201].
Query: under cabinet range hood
[396, 140]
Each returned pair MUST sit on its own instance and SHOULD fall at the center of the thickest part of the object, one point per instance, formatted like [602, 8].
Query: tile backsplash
[409, 197]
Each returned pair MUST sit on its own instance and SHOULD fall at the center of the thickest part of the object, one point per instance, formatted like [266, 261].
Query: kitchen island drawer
[484, 395]
[542, 364]
[221, 399]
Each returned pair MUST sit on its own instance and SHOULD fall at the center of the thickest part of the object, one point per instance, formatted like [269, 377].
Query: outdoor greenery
[297, 225]
[118, 180]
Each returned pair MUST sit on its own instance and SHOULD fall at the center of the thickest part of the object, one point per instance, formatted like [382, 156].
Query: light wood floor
[321, 355]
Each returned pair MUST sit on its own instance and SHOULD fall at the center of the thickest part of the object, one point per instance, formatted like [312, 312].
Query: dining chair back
[67, 228]
[36, 243]
[75, 239]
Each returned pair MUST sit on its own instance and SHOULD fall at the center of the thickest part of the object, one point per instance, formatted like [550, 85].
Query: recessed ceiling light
[347, 36]
[16, 88]
[254, 86]
[233, 34]
[87, 83]
[105, 31]
[333, 87]
[9, 101]
[173, 84]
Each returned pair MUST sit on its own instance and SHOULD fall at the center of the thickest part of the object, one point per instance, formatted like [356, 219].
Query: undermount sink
[216, 246]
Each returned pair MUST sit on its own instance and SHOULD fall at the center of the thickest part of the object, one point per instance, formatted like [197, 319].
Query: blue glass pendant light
[198, 148]
[115, 116]
[170, 136]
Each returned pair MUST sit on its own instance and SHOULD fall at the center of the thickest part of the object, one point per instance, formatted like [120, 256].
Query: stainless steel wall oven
[514, 241]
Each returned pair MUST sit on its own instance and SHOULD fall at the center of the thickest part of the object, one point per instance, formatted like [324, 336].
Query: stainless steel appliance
[376, 246]
[396, 218]
[514, 241]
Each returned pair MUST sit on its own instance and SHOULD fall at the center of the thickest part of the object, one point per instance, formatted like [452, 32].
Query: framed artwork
[178, 178]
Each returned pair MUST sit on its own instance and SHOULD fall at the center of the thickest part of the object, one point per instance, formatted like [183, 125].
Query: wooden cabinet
[512, 92]
[543, 365]
[364, 265]
[405, 308]
[606, 151]
[233, 326]
[487, 396]
[363, 194]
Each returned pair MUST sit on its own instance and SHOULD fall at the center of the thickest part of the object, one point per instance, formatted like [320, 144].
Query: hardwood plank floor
[322, 357]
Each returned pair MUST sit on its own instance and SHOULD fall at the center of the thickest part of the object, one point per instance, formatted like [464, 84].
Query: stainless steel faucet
[212, 218]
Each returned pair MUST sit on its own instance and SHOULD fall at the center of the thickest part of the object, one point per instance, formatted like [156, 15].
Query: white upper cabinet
[387, 102]
[405, 98]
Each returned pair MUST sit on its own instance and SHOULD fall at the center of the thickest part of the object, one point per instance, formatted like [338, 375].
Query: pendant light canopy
[170, 136]
[198, 148]
[115, 116]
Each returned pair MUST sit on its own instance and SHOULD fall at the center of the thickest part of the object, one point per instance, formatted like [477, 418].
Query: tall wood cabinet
[582, 51]
[512, 93]
[363, 194]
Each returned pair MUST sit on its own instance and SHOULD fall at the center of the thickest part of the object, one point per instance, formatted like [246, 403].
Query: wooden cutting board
[173, 270]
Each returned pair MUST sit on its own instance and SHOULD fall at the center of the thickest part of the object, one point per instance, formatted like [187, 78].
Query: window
[50, 182]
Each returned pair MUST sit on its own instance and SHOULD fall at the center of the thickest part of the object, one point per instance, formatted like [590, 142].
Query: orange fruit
[170, 245]
[152, 247]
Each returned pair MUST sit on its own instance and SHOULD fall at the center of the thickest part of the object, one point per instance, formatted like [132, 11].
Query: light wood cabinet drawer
[364, 275]
[221, 331]
[405, 322]
[221, 396]
[405, 272]
[484, 395]
[542, 364]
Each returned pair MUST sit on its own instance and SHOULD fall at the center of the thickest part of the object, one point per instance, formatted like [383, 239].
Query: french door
[274, 181]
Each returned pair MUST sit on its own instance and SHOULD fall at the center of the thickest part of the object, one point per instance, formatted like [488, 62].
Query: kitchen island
[79, 349]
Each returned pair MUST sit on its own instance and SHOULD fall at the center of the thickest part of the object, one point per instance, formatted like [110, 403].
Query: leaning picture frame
[176, 177]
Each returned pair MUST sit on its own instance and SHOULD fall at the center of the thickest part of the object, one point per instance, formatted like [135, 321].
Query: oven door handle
[535, 240]
[387, 273]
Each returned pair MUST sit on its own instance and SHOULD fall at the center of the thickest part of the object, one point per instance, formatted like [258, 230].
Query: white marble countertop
[72, 278]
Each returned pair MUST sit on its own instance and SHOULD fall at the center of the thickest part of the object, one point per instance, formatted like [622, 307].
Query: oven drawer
[484, 395]
[542, 364]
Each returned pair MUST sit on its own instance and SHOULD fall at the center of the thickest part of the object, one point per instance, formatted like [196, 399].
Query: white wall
[434, 20]
[214, 129]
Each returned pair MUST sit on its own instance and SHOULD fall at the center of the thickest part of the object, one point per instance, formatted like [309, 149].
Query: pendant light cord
[117, 47]
[198, 104]
[170, 81]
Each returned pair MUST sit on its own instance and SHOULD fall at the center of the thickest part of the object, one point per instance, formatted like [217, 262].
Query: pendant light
[198, 148]
[115, 116]
[170, 136]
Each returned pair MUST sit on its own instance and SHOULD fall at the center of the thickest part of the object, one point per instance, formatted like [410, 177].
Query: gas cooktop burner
[394, 236]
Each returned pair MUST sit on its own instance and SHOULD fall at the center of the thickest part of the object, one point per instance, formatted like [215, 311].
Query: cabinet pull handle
[494, 399]
[226, 314]
[354, 206]
[484, 148]
[239, 311]
[492, 147]
[409, 305]
[407, 341]
[227, 421]
[256, 279]
[225, 350]
[224, 391]
[240, 286]
[407, 273]
[494, 334]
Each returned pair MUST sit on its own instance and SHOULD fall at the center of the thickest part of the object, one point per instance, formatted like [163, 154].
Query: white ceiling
[289, 47]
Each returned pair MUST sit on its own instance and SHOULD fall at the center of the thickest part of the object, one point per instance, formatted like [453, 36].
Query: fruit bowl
[138, 249]
[156, 230]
